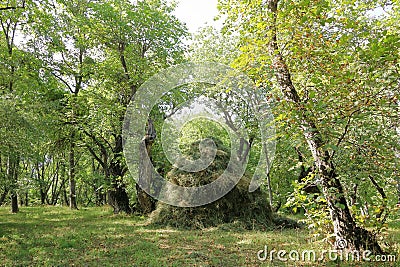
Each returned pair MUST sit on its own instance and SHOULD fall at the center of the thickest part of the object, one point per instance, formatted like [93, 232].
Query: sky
[195, 13]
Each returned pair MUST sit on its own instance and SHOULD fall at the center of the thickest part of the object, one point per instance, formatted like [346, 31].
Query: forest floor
[57, 236]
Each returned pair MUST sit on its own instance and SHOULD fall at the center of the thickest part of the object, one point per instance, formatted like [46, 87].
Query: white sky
[196, 13]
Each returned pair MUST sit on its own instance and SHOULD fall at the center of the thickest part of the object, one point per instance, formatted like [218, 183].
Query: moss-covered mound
[250, 210]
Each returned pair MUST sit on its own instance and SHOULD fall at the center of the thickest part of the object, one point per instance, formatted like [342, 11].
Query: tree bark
[12, 174]
[3, 196]
[14, 178]
[343, 222]
[114, 172]
[117, 196]
[59, 189]
[66, 200]
[353, 195]
[310, 187]
[72, 182]
[14, 202]
[267, 169]
[398, 190]
[54, 185]
[26, 199]
[41, 180]
[145, 203]
[270, 194]
[383, 195]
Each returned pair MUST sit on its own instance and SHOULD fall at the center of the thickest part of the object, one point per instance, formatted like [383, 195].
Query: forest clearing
[57, 236]
[269, 137]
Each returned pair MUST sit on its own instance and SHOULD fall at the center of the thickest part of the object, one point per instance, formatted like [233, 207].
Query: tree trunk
[14, 203]
[14, 196]
[267, 169]
[63, 189]
[145, 203]
[57, 191]
[118, 199]
[42, 197]
[12, 174]
[117, 196]
[310, 187]
[270, 190]
[114, 172]
[74, 106]
[40, 171]
[398, 153]
[72, 182]
[353, 195]
[381, 191]
[54, 186]
[398, 190]
[343, 222]
[66, 200]
[244, 148]
[3, 196]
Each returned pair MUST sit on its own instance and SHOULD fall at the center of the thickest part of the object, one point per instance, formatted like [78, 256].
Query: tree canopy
[327, 70]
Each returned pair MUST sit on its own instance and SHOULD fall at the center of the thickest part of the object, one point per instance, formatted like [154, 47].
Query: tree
[65, 47]
[100, 53]
[137, 40]
[211, 45]
[13, 82]
[320, 58]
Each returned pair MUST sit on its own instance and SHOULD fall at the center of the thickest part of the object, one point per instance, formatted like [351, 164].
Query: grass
[57, 236]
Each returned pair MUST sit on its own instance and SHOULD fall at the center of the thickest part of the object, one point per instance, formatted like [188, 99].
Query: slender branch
[106, 141]
[228, 119]
[378, 187]
[102, 163]
[13, 7]
[10, 7]
[14, 30]
[66, 61]
[173, 111]
[346, 130]
[98, 143]
[383, 195]
[63, 81]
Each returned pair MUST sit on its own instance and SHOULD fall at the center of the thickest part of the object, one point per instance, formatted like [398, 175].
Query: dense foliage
[329, 69]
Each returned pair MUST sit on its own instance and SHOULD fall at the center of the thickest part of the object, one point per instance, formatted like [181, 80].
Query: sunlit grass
[57, 236]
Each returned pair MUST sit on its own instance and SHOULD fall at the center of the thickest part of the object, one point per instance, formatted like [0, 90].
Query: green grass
[57, 236]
